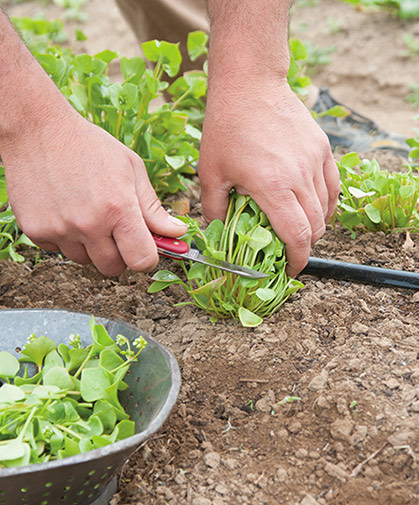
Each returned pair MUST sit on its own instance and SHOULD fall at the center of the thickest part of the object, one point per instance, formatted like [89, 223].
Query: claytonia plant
[376, 200]
[70, 404]
[163, 136]
[10, 235]
[413, 143]
[246, 238]
[406, 9]
[166, 137]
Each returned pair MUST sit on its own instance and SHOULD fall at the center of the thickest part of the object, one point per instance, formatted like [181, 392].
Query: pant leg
[169, 20]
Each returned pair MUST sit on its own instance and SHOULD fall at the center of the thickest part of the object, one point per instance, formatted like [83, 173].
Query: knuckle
[83, 223]
[40, 233]
[278, 187]
[125, 226]
[302, 237]
[152, 206]
[114, 208]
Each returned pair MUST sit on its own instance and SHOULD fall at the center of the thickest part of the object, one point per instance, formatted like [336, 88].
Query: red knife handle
[170, 244]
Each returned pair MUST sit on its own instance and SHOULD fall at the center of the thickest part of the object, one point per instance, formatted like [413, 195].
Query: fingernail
[177, 222]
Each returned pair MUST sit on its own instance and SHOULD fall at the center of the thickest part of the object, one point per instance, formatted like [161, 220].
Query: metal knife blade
[180, 250]
[195, 255]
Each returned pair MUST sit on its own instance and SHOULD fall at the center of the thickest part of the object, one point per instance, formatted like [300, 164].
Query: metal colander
[89, 478]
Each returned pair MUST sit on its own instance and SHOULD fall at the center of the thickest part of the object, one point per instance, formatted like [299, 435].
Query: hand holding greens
[246, 239]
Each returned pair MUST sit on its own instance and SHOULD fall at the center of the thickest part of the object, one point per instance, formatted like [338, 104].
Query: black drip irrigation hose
[361, 273]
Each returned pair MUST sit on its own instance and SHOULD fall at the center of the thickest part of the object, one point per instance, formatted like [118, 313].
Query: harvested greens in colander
[70, 404]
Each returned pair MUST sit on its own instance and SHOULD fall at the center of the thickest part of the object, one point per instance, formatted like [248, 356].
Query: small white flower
[74, 340]
[140, 343]
[121, 340]
[31, 338]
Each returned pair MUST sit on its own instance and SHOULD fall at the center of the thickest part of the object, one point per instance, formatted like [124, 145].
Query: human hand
[261, 140]
[74, 188]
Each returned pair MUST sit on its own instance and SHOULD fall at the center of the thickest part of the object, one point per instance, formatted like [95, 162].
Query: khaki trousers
[169, 20]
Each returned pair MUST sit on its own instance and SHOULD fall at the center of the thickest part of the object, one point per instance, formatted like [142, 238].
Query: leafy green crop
[414, 145]
[406, 9]
[373, 199]
[246, 239]
[162, 135]
[39, 34]
[412, 45]
[167, 137]
[10, 235]
[297, 78]
[71, 404]
[73, 9]
[413, 96]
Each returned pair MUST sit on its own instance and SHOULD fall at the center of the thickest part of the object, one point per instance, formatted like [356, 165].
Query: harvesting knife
[180, 250]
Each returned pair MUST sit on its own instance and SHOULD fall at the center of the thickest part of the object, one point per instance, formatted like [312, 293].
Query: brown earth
[349, 351]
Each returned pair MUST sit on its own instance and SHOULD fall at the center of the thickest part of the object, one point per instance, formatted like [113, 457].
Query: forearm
[28, 96]
[249, 38]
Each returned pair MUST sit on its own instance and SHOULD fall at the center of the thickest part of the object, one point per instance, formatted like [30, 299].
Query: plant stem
[140, 112]
[177, 102]
[83, 364]
[25, 426]
[67, 430]
[118, 124]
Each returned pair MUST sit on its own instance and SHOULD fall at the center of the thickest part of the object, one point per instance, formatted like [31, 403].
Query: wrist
[235, 86]
[29, 99]
[248, 39]
[35, 117]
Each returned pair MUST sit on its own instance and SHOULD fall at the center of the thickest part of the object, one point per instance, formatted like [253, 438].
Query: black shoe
[356, 132]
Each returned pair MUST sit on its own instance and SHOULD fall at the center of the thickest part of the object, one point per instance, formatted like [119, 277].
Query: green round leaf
[14, 449]
[407, 191]
[93, 384]
[37, 349]
[373, 214]
[248, 318]
[165, 276]
[197, 44]
[9, 365]
[358, 193]
[265, 294]
[10, 394]
[350, 160]
[58, 376]
[260, 238]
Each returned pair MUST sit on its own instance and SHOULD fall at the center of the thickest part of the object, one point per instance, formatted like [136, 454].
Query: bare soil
[349, 351]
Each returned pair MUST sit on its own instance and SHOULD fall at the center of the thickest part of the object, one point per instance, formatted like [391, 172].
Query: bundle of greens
[245, 239]
[375, 200]
[70, 405]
